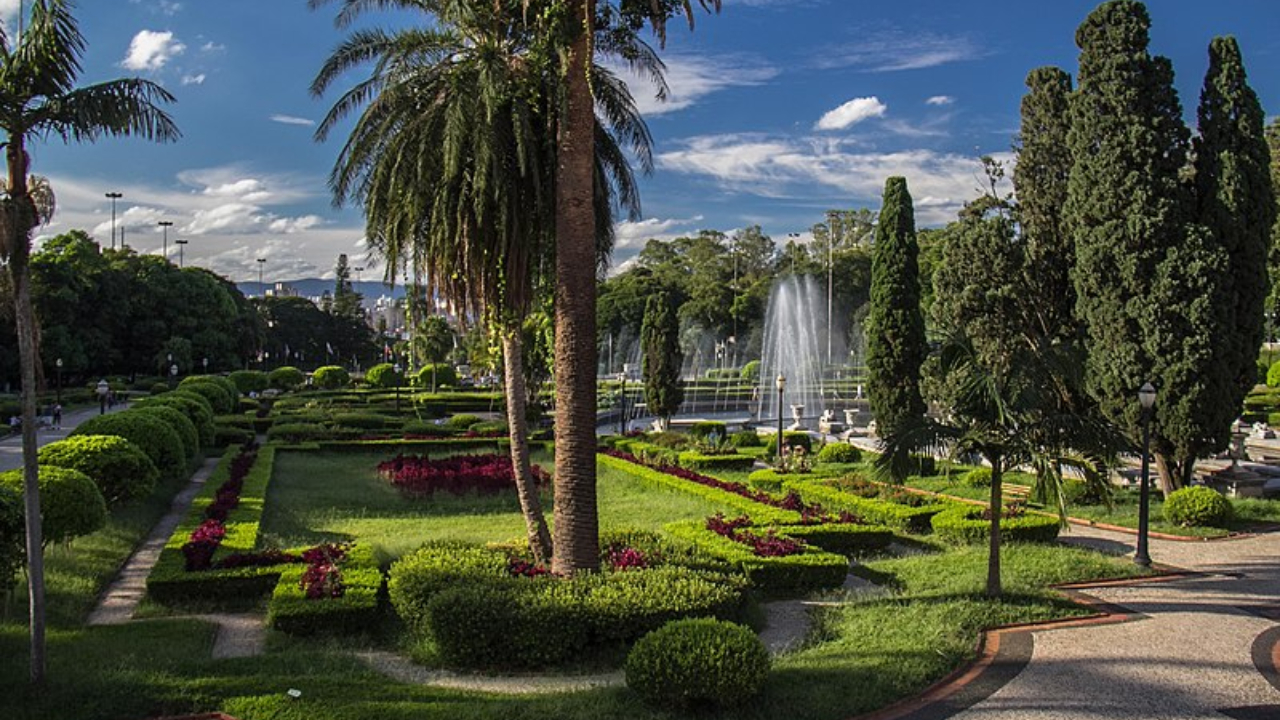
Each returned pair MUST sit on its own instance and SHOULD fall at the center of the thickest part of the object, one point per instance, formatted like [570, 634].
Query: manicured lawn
[318, 496]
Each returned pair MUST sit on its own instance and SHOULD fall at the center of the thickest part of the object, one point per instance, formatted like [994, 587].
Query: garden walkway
[11, 446]
[1203, 645]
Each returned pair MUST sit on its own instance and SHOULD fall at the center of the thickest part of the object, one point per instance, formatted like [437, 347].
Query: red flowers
[322, 578]
[523, 568]
[205, 539]
[459, 474]
[623, 557]
[767, 545]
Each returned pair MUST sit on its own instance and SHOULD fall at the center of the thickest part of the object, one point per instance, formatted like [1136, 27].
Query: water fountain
[795, 343]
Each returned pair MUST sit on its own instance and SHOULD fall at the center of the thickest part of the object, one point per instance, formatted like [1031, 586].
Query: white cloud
[895, 50]
[9, 17]
[689, 79]
[212, 47]
[197, 79]
[150, 50]
[851, 113]
[940, 100]
[779, 167]
[292, 120]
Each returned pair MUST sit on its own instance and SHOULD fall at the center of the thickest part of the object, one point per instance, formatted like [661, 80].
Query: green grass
[317, 496]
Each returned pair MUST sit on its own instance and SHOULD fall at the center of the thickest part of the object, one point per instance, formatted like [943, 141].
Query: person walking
[57, 416]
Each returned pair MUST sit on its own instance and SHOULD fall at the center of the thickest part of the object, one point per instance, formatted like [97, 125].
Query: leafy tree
[662, 358]
[895, 326]
[38, 98]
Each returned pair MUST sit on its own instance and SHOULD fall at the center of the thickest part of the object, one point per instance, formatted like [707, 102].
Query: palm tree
[38, 98]
[453, 157]
[577, 524]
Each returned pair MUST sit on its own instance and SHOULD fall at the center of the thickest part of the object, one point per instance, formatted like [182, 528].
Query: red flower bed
[458, 474]
[625, 557]
[204, 540]
[767, 545]
[523, 568]
[322, 578]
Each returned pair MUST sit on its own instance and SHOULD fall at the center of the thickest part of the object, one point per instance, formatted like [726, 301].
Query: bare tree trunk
[517, 424]
[1166, 473]
[20, 221]
[577, 531]
[997, 509]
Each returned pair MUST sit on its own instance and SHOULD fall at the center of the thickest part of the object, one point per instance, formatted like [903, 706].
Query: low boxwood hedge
[841, 538]
[694, 460]
[814, 569]
[964, 524]
[879, 512]
[763, 514]
[291, 611]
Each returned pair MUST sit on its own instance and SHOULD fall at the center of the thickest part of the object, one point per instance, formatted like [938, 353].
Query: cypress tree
[1236, 204]
[660, 341]
[895, 325]
[1040, 182]
[1124, 202]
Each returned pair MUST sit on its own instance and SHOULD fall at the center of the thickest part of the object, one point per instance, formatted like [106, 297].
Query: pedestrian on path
[57, 416]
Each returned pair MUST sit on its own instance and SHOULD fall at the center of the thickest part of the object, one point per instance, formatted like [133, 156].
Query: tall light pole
[359, 274]
[181, 258]
[1147, 399]
[622, 404]
[831, 246]
[262, 262]
[113, 197]
[166, 224]
[781, 383]
[397, 368]
[58, 364]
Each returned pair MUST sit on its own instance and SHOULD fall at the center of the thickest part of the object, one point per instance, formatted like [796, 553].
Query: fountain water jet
[795, 343]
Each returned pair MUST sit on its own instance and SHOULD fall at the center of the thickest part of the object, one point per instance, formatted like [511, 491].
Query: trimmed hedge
[694, 460]
[13, 536]
[383, 375]
[117, 467]
[295, 432]
[964, 525]
[287, 377]
[224, 435]
[219, 399]
[151, 434]
[500, 625]
[978, 477]
[811, 570]
[180, 423]
[291, 611]
[706, 428]
[746, 438]
[250, 381]
[839, 453]
[1197, 506]
[70, 504]
[445, 375]
[428, 571]
[696, 662]
[362, 421]
[462, 421]
[879, 512]
[195, 406]
[841, 538]
[793, 438]
[762, 514]
[331, 377]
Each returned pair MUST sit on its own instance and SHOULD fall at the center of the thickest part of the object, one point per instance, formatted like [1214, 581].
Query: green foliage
[793, 439]
[152, 435]
[296, 432]
[895, 325]
[250, 381]
[462, 421]
[763, 514]
[808, 571]
[415, 579]
[290, 610]
[361, 421]
[12, 536]
[331, 377]
[706, 428]
[287, 377]
[383, 376]
[1273, 375]
[698, 662]
[881, 512]
[745, 438]
[1197, 506]
[220, 399]
[181, 424]
[695, 460]
[839, 453]
[751, 371]
[224, 435]
[195, 406]
[439, 374]
[489, 427]
[70, 504]
[489, 625]
[964, 524]
[660, 344]
[117, 467]
[978, 477]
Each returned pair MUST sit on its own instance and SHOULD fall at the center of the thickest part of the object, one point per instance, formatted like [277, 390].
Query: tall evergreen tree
[895, 326]
[1236, 204]
[1126, 213]
[1040, 181]
[1273, 258]
[660, 342]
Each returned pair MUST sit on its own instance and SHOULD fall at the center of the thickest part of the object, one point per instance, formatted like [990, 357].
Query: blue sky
[779, 110]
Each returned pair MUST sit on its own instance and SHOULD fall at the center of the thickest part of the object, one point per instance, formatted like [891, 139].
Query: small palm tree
[38, 98]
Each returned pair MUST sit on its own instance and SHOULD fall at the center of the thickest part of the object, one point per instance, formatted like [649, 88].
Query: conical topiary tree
[660, 341]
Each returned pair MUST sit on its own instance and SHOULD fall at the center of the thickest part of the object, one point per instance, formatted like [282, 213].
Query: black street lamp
[166, 224]
[622, 404]
[1147, 399]
[781, 383]
[58, 364]
[181, 259]
[173, 375]
[113, 196]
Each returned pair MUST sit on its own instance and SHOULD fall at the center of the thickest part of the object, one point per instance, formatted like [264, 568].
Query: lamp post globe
[1147, 401]
[397, 369]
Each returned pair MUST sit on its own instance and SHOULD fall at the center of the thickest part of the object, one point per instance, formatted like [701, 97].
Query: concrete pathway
[400, 668]
[1190, 653]
[11, 445]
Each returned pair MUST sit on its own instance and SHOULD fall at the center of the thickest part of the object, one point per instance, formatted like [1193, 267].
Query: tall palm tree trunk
[577, 538]
[997, 509]
[517, 423]
[19, 223]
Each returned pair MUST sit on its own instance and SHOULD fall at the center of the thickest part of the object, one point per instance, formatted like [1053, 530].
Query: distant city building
[282, 289]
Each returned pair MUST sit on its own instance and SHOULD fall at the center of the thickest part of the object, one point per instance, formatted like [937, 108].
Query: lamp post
[1147, 399]
[166, 224]
[103, 389]
[113, 196]
[396, 367]
[181, 259]
[622, 404]
[781, 383]
[205, 363]
[261, 288]
[173, 375]
[831, 246]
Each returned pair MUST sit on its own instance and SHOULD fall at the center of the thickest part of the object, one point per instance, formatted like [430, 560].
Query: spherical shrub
[978, 477]
[1273, 375]
[119, 469]
[698, 662]
[287, 378]
[193, 405]
[706, 428]
[230, 388]
[383, 376]
[1197, 506]
[424, 573]
[181, 424]
[250, 381]
[361, 421]
[152, 435]
[159, 388]
[745, 438]
[462, 421]
[445, 374]
[12, 536]
[70, 504]
[839, 453]
[219, 399]
[489, 427]
[793, 439]
[331, 377]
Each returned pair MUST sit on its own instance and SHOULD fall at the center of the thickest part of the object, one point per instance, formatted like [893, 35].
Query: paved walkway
[1188, 655]
[11, 445]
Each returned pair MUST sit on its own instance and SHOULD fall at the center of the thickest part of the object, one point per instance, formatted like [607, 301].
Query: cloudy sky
[779, 110]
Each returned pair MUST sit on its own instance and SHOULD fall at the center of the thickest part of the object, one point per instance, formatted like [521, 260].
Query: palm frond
[125, 107]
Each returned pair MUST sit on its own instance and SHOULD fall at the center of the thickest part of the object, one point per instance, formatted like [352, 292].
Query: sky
[778, 111]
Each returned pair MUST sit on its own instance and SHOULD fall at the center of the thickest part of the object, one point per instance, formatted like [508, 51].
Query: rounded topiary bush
[194, 406]
[751, 371]
[119, 469]
[745, 438]
[978, 477]
[250, 381]
[416, 578]
[839, 453]
[219, 399]
[12, 536]
[1197, 506]
[180, 423]
[151, 434]
[706, 428]
[361, 421]
[383, 375]
[698, 662]
[1273, 375]
[287, 377]
[70, 504]
[462, 421]
[331, 377]
[793, 438]
[445, 375]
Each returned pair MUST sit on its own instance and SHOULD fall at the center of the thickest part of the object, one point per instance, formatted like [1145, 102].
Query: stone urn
[797, 414]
